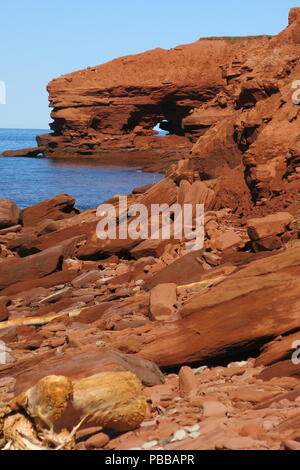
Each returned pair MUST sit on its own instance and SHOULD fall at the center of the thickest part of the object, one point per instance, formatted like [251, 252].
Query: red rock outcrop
[31, 152]
[272, 232]
[227, 101]
[83, 363]
[244, 310]
[9, 213]
[15, 270]
[58, 207]
[75, 305]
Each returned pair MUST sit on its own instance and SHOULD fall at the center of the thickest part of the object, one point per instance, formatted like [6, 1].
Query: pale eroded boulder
[55, 406]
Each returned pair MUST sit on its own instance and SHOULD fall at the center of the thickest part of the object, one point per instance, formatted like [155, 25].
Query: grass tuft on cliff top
[234, 39]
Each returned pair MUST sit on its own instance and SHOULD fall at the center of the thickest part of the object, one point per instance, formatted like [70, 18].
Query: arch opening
[159, 120]
[162, 128]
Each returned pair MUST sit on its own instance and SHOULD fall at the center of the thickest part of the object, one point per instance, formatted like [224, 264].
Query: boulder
[9, 213]
[24, 242]
[196, 193]
[98, 249]
[184, 270]
[274, 224]
[81, 363]
[282, 348]
[250, 307]
[163, 192]
[271, 232]
[86, 278]
[227, 239]
[28, 242]
[187, 381]
[58, 207]
[213, 409]
[268, 244]
[150, 247]
[163, 298]
[11, 229]
[16, 270]
[280, 369]
[59, 277]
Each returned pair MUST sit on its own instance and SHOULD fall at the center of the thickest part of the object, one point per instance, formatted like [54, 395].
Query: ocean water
[28, 181]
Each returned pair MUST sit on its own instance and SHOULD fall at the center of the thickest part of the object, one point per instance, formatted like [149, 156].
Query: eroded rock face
[58, 207]
[228, 101]
[116, 106]
[29, 152]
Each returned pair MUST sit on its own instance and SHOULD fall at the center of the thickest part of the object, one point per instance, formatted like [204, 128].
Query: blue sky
[40, 40]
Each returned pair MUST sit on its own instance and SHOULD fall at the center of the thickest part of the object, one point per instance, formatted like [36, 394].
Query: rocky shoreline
[146, 160]
[227, 103]
[138, 344]
[208, 333]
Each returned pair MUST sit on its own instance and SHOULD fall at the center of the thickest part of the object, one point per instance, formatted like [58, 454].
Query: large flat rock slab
[251, 307]
[77, 364]
[15, 270]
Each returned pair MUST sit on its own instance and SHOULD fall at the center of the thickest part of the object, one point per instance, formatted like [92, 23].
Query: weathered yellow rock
[48, 401]
[111, 399]
[50, 412]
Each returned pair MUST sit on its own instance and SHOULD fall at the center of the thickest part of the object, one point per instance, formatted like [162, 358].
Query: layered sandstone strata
[227, 101]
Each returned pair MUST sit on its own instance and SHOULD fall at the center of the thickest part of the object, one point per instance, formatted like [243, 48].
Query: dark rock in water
[31, 152]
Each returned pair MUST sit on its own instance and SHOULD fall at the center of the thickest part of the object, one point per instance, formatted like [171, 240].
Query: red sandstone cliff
[227, 102]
